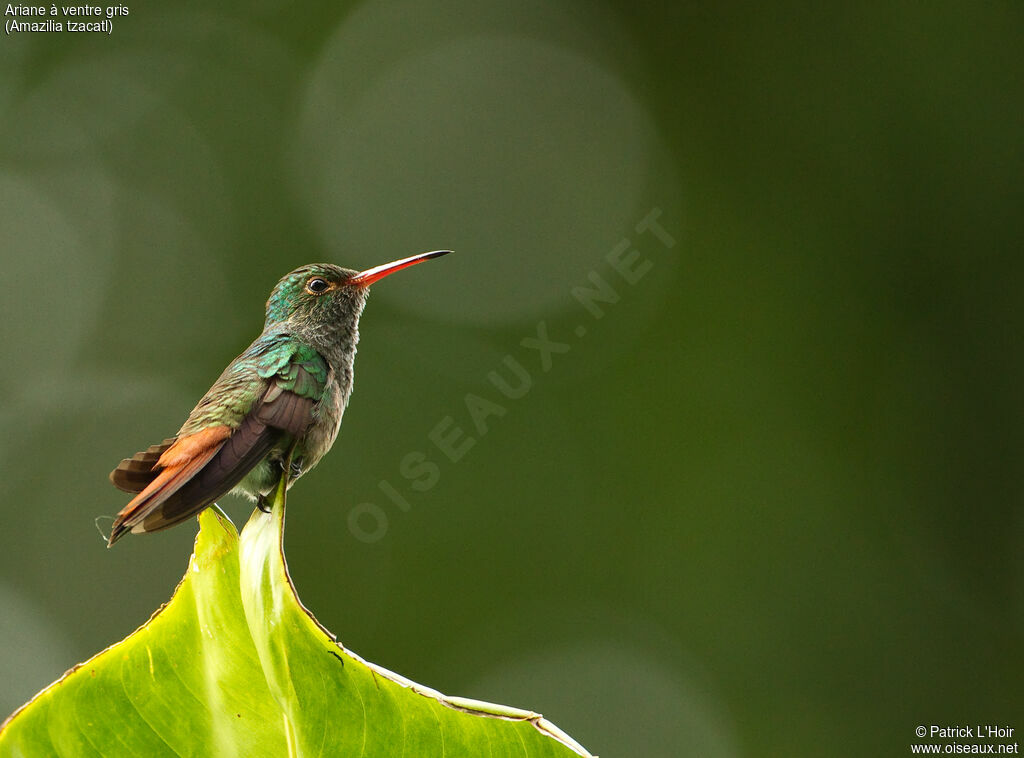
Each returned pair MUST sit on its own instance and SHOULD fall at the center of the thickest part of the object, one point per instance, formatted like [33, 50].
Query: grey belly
[261, 480]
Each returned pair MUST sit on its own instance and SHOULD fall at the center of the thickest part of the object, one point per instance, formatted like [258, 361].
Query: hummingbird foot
[263, 504]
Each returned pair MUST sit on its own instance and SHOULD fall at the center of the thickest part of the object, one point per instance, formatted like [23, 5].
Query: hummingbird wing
[264, 398]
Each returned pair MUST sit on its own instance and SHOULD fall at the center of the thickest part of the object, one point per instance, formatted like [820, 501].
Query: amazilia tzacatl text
[282, 399]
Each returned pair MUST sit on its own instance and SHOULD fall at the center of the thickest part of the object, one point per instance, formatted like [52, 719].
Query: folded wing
[180, 477]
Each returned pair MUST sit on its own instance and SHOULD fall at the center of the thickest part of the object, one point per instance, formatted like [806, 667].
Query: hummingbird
[281, 400]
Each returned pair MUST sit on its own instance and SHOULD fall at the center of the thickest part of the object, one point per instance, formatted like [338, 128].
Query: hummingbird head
[322, 302]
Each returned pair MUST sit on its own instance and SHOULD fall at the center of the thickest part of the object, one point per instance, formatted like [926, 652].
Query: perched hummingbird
[285, 393]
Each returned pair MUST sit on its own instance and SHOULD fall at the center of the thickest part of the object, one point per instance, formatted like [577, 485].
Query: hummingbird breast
[324, 430]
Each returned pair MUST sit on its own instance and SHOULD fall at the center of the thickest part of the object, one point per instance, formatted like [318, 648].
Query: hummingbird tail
[135, 474]
[176, 465]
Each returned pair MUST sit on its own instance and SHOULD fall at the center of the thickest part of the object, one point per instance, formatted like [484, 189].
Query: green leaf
[234, 665]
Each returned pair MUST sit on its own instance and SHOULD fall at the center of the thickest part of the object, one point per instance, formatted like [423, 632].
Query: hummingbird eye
[316, 285]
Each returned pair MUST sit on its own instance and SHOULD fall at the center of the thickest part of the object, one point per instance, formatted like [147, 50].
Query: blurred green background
[768, 504]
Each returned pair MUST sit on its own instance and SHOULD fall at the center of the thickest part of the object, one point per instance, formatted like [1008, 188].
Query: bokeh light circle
[528, 156]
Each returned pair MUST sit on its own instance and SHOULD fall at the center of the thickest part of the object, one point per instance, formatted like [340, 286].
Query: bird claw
[262, 504]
